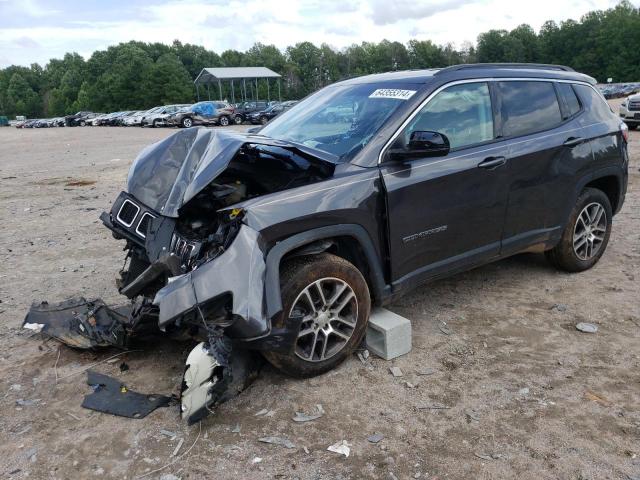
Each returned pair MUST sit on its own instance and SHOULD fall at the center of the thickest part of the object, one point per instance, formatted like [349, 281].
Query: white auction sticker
[392, 93]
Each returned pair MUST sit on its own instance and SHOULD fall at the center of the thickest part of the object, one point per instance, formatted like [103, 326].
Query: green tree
[168, 81]
[21, 98]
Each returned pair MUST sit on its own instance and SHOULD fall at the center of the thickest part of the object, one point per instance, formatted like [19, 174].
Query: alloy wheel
[224, 121]
[329, 311]
[589, 231]
[187, 122]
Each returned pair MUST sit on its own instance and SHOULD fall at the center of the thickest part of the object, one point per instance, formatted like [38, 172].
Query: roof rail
[531, 66]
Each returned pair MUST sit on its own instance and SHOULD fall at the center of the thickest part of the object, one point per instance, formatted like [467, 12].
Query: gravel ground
[525, 394]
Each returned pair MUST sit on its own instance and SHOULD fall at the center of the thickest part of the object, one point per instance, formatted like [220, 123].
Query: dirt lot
[527, 395]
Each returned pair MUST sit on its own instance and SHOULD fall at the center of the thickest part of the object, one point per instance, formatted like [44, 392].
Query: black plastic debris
[111, 396]
[80, 323]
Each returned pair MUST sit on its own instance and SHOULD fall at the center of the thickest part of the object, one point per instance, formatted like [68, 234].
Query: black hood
[168, 174]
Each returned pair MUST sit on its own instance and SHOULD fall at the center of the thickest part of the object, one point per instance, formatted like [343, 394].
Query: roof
[470, 71]
[208, 75]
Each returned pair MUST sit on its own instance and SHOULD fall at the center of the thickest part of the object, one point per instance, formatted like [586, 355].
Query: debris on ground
[178, 447]
[483, 456]
[433, 406]
[597, 398]
[283, 442]
[236, 429]
[256, 460]
[124, 367]
[341, 447]
[167, 433]
[302, 417]
[80, 323]
[27, 403]
[426, 371]
[375, 438]
[262, 412]
[559, 307]
[472, 415]
[111, 396]
[523, 391]
[444, 328]
[395, 371]
[587, 327]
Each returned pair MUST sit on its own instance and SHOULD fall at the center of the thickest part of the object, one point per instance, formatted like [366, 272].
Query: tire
[590, 224]
[83, 123]
[154, 124]
[238, 120]
[224, 121]
[186, 122]
[317, 352]
[264, 120]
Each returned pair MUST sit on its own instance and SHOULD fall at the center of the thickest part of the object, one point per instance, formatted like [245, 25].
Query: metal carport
[218, 75]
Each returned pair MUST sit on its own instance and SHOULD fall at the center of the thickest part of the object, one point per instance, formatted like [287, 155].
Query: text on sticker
[392, 93]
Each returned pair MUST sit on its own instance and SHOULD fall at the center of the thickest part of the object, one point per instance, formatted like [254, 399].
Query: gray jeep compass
[281, 240]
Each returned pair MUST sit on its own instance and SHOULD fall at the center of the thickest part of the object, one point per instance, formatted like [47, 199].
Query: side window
[528, 107]
[596, 107]
[461, 112]
[571, 103]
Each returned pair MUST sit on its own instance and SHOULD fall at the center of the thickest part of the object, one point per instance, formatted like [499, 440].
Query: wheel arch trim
[277, 253]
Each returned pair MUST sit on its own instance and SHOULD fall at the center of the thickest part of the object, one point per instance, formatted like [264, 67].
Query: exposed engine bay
[193, 269]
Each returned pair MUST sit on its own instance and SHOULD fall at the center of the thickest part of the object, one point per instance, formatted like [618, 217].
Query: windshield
[339, 119]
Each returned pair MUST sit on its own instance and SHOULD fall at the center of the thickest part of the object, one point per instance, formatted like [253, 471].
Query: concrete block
[388, 334]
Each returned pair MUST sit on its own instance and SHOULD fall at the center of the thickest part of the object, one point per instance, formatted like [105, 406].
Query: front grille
[634, 105]
[127, 213]
[143, 224]
[184, 249]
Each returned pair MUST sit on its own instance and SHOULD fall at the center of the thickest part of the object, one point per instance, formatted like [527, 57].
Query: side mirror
[423, 144]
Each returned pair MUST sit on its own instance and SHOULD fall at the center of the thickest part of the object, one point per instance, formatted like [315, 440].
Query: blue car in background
[203, 113]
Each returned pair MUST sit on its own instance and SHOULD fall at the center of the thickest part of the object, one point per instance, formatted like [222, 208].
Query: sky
[37, 30]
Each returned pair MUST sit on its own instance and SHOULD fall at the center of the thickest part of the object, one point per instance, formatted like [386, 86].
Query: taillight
[625, 132]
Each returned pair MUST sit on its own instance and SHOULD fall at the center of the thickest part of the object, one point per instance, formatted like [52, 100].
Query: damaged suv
[281, 240]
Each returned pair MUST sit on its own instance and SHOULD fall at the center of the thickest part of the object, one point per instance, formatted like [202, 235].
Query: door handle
[490, 163]
[573, 141]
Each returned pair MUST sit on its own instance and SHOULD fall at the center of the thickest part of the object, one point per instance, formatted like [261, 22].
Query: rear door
[446, 213]
[546, 146]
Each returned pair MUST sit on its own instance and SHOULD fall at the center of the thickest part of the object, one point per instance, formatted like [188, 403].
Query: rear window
[528, 107]
[568, 95]
[596, 107]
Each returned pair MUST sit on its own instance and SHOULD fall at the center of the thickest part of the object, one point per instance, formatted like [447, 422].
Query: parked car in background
[133, 120]
[77, 119]
[630, 111]
[157, 117]
[245, 108]
[120, 121]
[112, 121]
[263, 116]
[203, 113]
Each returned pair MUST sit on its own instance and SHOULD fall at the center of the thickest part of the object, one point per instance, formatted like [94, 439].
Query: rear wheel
[586, 235]
[264, 120]
[326, 300]
[238, 120]
[224, 121]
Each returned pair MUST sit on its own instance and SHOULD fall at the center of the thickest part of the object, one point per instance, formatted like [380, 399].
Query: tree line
[138, 75]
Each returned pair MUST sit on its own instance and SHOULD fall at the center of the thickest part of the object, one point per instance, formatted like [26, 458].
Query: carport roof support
[212, 75]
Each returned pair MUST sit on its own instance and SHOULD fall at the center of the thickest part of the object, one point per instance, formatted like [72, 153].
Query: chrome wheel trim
[589, 231]
[329, 311]
[187, 122]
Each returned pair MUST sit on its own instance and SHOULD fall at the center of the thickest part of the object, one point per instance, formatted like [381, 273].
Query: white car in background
[156, 116]
[630, 111]
[134, 120]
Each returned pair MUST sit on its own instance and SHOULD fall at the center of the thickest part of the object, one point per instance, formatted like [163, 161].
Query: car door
[546, 147]
[446, 213]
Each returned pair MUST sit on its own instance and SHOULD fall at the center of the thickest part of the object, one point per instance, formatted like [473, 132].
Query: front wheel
[238, 120]
[586, 235]
[186, 122]
[326, 300]
[264, 120]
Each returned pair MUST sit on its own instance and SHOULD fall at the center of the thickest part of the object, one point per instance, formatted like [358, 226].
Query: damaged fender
[239, 271]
